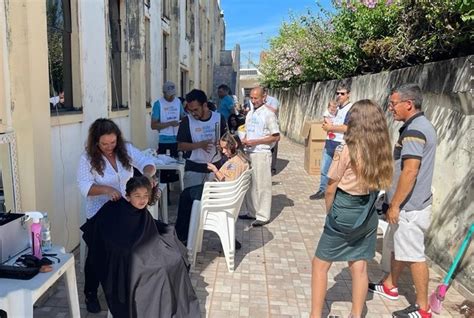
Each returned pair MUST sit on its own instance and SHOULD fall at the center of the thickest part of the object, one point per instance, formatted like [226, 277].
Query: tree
[366, 37]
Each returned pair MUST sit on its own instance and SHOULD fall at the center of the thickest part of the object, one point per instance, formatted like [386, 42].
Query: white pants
[258, 200]
[407, 238]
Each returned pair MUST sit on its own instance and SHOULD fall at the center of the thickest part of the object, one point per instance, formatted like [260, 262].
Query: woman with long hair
[237, 163]
[104, 169]
[360, 168]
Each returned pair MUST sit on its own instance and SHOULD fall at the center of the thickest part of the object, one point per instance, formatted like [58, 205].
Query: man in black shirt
[198, 135]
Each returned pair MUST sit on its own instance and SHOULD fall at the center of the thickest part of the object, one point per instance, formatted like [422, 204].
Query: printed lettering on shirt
[204, 133]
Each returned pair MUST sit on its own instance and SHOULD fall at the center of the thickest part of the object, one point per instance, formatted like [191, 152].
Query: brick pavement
[273, 268]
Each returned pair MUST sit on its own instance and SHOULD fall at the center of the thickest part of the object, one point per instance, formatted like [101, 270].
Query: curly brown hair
[99, 128]
[368, 141]
[143, 182]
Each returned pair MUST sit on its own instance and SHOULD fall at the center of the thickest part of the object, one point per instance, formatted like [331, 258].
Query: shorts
[407, 238]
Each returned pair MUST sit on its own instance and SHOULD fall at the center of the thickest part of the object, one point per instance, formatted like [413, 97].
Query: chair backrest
[226, 184]
[226, 198]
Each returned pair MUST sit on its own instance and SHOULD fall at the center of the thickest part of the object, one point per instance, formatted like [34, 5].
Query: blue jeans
[325, 165]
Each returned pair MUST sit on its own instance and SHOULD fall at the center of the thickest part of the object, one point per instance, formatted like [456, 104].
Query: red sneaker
[381, 289]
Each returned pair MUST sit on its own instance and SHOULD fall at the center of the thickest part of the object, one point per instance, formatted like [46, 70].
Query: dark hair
[410, 92]
[233, 116]
[344, 86]
[224, 87]
[196, 95]
[211, 106]
[142, 182]
[99, 128]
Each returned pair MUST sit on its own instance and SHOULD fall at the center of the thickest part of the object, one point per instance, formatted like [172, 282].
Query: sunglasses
[341, 93]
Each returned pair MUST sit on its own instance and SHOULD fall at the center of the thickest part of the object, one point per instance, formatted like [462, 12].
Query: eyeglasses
[393, 104]
[341, 93]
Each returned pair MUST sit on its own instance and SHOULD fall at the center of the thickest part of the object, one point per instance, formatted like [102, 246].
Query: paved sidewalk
[273, 268]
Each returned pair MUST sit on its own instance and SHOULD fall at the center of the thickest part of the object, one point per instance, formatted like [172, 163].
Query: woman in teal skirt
[360, 168]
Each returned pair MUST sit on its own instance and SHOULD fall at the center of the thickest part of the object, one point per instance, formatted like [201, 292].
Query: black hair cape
[141, 264]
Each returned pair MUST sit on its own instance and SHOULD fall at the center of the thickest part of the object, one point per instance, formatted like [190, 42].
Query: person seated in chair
[140, 263]
[237, 163]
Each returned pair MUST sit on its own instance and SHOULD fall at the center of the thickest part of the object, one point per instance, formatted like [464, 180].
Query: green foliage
[366, 37]
[55, 45]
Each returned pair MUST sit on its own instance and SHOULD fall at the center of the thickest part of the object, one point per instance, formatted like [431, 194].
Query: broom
[438, 295]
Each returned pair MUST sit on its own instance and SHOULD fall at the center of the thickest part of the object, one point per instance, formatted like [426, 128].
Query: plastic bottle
[46, 233]
[35, 233]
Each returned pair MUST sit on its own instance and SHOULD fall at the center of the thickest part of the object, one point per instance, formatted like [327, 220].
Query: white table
[174, 166]
[17, 297]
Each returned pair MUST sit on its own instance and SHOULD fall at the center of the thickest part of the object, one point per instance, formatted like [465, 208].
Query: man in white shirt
[165, 117]
[262, 133]
[338, 126]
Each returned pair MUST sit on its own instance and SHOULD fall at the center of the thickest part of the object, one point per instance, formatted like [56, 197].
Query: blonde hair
[369, 145]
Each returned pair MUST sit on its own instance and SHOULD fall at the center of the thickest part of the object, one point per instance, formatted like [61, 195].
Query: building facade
[65, 63]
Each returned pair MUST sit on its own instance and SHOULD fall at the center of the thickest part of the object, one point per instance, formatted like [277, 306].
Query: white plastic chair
[217, 211]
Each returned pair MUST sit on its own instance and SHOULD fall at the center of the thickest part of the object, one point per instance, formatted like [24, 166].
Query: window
[189, 20]
[247, 92]
[201, 25]
[165, 57]
[115, 55]
[184, 82]
[147, 63]
[61, 63]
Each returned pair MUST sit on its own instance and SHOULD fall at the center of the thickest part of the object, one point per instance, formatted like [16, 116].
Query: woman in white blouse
[104, 169]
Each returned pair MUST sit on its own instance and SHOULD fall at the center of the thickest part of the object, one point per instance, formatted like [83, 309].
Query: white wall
[156, 75]
[66, 150]
[68, 140]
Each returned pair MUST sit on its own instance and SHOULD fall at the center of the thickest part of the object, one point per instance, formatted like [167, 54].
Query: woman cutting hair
[104, 169]
[360, 168]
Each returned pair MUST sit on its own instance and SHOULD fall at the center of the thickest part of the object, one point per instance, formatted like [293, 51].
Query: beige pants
[258, 201]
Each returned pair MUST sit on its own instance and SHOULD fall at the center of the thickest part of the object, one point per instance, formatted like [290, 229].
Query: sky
[251, 23]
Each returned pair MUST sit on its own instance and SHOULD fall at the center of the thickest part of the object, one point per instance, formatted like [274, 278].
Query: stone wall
[225, 73]
[448, 103]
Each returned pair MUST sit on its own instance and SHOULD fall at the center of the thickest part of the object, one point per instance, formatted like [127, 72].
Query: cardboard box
[315, 138]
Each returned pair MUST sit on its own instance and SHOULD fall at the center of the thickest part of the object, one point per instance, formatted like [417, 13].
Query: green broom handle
[459, 255]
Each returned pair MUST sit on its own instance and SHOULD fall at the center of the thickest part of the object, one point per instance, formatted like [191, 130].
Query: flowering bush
[368, 36]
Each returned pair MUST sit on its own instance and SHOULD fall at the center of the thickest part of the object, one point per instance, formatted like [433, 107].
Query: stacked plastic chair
[217, 211]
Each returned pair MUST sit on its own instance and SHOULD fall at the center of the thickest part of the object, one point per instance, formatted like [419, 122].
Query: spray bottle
[35, 233]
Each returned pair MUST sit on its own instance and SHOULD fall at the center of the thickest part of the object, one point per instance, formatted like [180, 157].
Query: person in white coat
[104, 169]
[262, 133]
